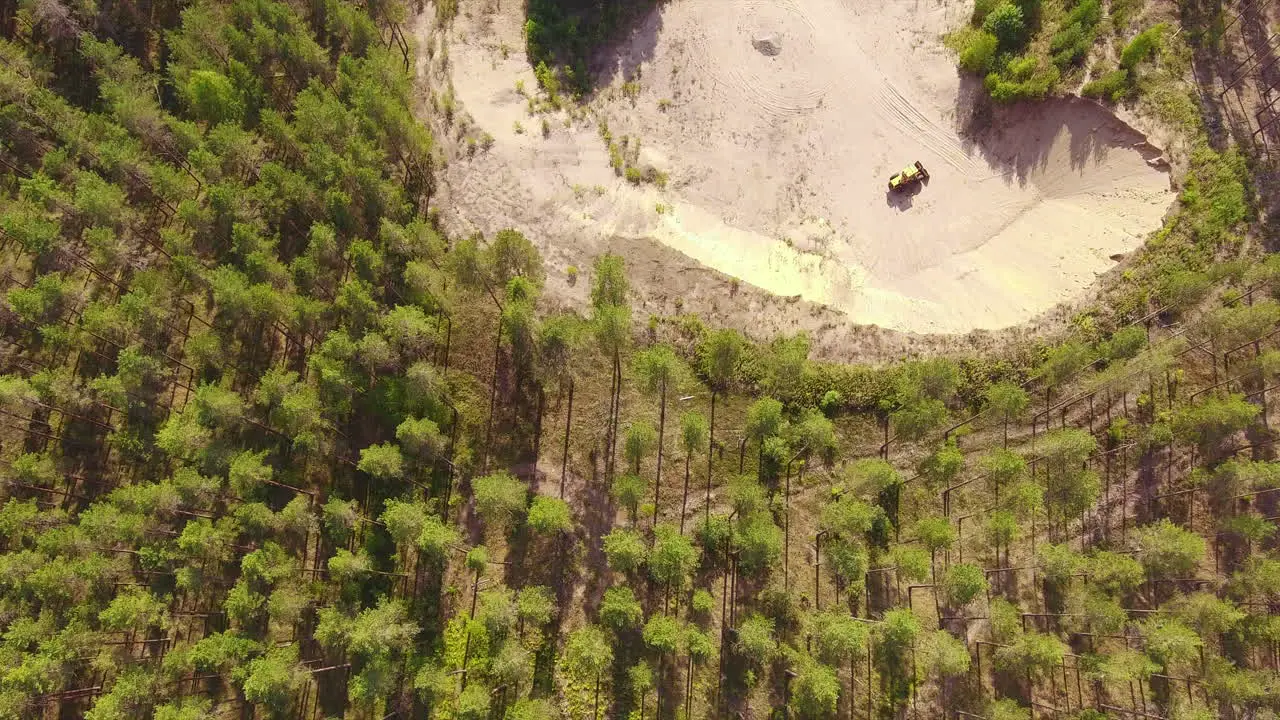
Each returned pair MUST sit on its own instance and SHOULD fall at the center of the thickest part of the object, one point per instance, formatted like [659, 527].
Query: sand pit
[778, 123]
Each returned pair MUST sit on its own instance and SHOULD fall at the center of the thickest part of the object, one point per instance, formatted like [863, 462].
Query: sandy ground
[778, 123]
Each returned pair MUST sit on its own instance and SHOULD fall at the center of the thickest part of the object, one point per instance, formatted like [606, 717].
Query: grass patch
[1115, 84]
[1111, 86]
[1180, 260]
[1025, 77]
[1141, 46]
[1173, 106]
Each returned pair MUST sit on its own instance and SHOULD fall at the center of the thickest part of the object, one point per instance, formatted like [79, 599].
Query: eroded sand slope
[778, 123]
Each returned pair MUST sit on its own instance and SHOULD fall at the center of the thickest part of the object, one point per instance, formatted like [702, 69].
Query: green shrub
[549, 80]
[962, 583]
[1087, 14]
[1178, 289]
[1215, 196]
[1022, 68]
[1008, 89]
[983, 8]
[1070, 45]
[1033, 653]
[620, 610]
[1141, 46]
[1030, 11]
[1072, 42]
[702, 602]
[1124, 344]
[1007, 710]
[755, 639]
[1122, 11]
[978, 53]
[1113, 86]
[830, 402]
[1006, 23]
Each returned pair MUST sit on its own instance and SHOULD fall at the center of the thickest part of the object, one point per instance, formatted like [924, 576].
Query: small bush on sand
[1112, 86]
[977, 55]
[1141, 46]
[1007, 24]
[1025, 78]
[1073, 40]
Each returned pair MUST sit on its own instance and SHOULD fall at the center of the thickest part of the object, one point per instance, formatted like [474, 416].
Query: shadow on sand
[605, 39]
[632, 47]
[1016, 141]
[903, 199]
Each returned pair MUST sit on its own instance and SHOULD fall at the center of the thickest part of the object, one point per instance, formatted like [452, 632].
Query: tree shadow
[596, 519]
[596, 41]
[1017, 141]
[634, 45]
[1260, 65]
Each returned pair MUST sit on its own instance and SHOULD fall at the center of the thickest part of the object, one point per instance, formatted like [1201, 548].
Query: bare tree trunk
[493, 398]
[537, 433]
[688, 691]
[608, 429]
[662, 428]
[657, 700]
[684, 502]
[617, 407]
[568, 424]
[611, 427]
[711, 444]
[786, 532]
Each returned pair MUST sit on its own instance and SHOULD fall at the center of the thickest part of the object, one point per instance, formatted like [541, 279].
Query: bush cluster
[998, 45]
[1071, 43]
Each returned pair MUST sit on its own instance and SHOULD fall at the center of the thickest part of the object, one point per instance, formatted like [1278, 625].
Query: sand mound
[779, 123]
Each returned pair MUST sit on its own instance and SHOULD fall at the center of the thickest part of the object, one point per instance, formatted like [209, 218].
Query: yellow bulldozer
[908, 177]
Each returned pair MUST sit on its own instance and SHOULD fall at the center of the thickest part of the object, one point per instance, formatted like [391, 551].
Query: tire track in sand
[906, 117]
[722, 50]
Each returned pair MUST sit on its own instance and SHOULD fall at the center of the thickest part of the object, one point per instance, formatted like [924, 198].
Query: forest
[275, 445]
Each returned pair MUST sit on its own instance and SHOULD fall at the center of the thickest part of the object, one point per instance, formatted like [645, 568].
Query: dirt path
[777, 123]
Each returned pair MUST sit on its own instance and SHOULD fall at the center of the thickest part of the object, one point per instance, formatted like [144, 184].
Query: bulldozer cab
[908, 177]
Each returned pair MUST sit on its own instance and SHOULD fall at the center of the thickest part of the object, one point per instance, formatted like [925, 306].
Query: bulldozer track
[906, 117]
